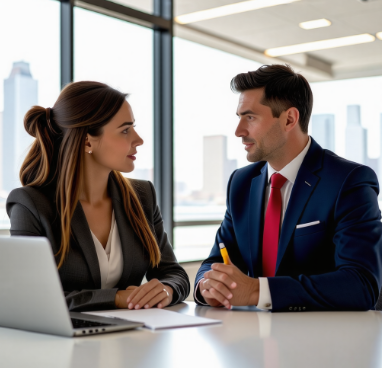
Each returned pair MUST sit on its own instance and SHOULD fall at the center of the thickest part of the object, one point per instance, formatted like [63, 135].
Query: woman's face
[116, 148]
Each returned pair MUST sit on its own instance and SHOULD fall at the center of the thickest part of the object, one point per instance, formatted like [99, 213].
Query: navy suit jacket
[334, 265]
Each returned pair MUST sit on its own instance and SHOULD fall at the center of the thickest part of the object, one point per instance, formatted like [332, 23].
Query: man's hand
[211, 301]
[148, 295]
[227, 285]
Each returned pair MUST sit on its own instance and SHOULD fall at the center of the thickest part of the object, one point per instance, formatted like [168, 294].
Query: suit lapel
[81, 232]
[306, 182]
[255, 221]
[131, 244]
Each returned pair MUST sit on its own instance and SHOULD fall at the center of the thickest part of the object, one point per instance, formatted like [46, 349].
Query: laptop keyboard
[80, 323]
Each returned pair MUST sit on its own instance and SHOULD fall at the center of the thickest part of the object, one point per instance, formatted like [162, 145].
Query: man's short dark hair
[283, 89]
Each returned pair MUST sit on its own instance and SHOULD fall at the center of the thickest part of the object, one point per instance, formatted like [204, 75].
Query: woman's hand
[148, 295]
[122, 295]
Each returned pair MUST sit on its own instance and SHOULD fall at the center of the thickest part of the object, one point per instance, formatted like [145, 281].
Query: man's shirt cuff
[195, 293]
[265, 300]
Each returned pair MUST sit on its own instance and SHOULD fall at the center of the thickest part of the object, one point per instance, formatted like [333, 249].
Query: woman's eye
[125, 131]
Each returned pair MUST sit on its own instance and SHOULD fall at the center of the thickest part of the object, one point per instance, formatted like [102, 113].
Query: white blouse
[110, 258]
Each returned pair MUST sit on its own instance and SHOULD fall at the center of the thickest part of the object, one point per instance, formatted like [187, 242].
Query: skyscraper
[20, 94]
[356, 136]
[323, 130]
[216, 167]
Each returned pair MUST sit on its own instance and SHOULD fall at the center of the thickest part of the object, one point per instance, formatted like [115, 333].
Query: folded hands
[226, 285]
[151, 294]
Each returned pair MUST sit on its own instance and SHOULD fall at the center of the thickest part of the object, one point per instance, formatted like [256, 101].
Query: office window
[29, 75]
[206, 148]
[120, 54]
[194, 242]
[347, 119]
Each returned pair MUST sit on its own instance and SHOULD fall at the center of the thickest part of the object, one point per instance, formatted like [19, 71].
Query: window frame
[161, 21]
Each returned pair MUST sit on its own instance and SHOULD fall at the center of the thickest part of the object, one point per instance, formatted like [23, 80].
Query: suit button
[303, 308]
[295, 308]
[290, 308]
[268, 305]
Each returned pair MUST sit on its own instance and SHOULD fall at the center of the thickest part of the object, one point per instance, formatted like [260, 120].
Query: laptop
[31, 295]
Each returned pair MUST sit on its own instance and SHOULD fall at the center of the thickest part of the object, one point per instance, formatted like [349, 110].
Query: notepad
[156, 319]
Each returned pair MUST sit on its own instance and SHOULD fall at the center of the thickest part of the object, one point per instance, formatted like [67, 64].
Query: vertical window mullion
[66, 34]
[163, 115]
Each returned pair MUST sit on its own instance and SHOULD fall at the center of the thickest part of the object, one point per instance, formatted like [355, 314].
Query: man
[302, 228]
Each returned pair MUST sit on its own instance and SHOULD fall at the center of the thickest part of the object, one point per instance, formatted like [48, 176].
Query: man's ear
[292, 118]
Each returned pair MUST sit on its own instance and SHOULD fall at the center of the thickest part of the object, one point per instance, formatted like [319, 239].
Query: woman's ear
[87, 144]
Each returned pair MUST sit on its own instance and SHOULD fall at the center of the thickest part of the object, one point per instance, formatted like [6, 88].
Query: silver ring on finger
[168, 295]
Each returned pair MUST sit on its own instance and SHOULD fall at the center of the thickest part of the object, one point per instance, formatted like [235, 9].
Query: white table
[245, 339]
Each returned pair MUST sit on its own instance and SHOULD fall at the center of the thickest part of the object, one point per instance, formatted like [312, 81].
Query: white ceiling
[249, 34]
[276, 26]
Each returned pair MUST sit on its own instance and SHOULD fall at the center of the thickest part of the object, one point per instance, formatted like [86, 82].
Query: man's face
[261, 133]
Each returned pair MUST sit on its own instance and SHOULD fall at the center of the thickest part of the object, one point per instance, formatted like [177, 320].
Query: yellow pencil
[224, 253]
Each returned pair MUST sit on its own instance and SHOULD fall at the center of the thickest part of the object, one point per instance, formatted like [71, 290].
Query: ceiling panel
[339, 7]
[349, 54]
[365, 22]
[190, 6]
[298, 12]
[279, 26]
[249, 21]
[268, 31]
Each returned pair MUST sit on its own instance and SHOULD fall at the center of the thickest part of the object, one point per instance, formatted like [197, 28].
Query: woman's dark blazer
[33, 212]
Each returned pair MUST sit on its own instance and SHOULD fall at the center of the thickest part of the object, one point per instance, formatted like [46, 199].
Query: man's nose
[240, 130]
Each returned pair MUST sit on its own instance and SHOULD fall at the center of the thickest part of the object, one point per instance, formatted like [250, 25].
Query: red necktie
[272, 226]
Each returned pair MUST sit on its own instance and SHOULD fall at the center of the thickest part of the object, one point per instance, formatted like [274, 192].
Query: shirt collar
[290, 170]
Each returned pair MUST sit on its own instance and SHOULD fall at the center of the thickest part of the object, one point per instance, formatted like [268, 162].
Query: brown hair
[57, 155]
[283, 89]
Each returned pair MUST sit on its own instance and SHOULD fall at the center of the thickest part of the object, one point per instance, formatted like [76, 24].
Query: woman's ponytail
[36, 167]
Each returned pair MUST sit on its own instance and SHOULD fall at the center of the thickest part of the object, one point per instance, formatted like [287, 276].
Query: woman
[106, 231]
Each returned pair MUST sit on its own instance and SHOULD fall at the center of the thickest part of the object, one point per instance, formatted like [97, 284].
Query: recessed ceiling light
[318, 23]
[320, 45]
[379, 35]
[224, 10]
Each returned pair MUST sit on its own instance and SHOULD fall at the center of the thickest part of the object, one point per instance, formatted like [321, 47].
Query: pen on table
[224, 253]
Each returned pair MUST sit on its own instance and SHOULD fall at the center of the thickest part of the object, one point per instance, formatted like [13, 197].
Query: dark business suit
[33, 213]
[333, 265]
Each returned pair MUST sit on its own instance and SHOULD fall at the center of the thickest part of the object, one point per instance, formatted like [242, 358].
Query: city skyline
[22, 90]
[323, 130]
[217, 168]
[356, 136]
[20, 94]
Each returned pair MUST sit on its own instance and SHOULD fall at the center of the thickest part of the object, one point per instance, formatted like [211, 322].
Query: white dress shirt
[110, 258]
[289, 172]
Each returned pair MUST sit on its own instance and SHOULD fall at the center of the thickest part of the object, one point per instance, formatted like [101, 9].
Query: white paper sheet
[157, 318]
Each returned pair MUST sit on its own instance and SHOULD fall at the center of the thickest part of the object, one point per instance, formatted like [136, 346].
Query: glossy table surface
[244, 339]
